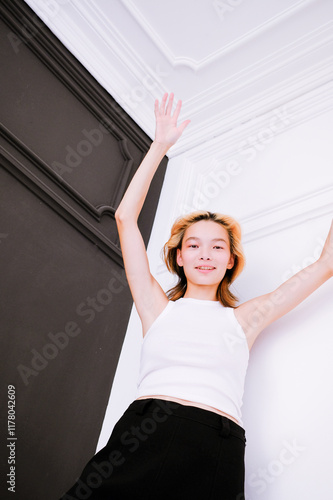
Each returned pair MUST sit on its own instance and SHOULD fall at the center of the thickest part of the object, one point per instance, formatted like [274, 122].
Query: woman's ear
[179, 257]
[231, 262]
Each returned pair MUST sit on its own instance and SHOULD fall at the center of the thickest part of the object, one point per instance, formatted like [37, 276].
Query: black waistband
[206, 417]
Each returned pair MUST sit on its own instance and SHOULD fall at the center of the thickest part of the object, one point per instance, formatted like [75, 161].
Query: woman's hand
[327, 252]
[167, 132]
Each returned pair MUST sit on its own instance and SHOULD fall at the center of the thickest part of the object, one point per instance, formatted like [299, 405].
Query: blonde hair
[223, 294]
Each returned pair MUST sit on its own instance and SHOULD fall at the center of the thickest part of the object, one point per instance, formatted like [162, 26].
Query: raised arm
[256, 314]
[148, 296]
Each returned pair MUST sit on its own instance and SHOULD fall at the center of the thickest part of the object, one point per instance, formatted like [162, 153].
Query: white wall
[281, 191]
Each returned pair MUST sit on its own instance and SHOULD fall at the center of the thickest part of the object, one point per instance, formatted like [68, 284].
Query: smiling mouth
[205, 268]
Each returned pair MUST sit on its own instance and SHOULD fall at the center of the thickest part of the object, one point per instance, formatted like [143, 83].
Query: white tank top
[196, 350]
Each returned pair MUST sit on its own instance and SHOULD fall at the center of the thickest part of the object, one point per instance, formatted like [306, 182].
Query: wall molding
[60, 204]
[290, 113]
[194, 64]
[315, 79]
[97, 211]
[239, 96]
[310, 206]
[95, 219]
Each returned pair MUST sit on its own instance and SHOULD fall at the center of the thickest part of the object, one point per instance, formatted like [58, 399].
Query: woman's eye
[193, 246]
[218, 248]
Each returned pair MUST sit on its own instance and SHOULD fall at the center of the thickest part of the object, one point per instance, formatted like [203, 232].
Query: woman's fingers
[166, 123]
[183, 125]
[170, 103]
[165, 107]
[163, 102]
[177, 110]
[160, 109]
[156, 107]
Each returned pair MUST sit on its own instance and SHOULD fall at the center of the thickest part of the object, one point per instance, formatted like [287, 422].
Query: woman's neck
[200, 293]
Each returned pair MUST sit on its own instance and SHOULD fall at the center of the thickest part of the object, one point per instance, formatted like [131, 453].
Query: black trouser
[163, 450]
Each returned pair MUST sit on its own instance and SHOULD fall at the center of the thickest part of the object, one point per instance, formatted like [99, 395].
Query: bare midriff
[191, 403]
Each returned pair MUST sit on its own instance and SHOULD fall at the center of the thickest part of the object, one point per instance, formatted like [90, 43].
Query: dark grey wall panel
[80, 143]
[67, 154]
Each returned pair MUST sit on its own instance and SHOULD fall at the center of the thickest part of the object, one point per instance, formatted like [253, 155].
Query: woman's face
[205, 253]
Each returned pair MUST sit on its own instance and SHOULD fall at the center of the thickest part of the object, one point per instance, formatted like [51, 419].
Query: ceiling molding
[277, 120]
[220, 126]
[101, 44]
[194, 64]
[310, 206]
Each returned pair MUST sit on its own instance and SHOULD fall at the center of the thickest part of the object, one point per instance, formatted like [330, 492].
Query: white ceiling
[230, 61]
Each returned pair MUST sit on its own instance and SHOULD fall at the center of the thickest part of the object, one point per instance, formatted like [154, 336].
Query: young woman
[182, 438]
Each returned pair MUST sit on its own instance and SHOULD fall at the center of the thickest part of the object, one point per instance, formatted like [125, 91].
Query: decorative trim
[311, 81]
[290, 114]
[310, 206]
[246, 136]
[232, 95]
[38, 175]
[194, 64]
[59, 204]
[96, 211]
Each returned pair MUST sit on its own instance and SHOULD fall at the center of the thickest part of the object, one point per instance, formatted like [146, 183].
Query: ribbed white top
[196, 350]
